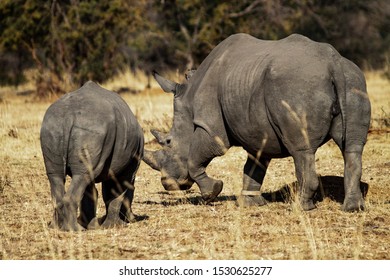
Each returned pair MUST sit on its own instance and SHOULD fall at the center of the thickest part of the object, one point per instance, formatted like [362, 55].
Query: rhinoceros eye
[168, 141]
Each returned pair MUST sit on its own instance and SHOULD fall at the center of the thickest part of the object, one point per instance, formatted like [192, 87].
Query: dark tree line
[71, 41]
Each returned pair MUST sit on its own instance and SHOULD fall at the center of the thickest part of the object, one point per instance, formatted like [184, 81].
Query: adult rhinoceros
[275, 99]
[91, 135]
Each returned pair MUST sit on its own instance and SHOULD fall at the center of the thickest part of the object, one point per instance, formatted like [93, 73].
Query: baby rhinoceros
[92, 136]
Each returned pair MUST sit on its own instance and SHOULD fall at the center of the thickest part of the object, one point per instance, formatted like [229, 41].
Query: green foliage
[23, 23]
[354, 27]
[357, 28]
[71, 41]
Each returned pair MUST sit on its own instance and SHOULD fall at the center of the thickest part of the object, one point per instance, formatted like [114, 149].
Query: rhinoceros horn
[166, 85]
[152, 159]
[162, 138]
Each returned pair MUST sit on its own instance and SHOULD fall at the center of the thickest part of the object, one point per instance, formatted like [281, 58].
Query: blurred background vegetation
[68, 42]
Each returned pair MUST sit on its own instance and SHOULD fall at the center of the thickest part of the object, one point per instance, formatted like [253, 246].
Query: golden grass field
[177, 225]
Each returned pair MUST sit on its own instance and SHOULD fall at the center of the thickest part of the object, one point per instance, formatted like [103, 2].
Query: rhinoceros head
[172, 159]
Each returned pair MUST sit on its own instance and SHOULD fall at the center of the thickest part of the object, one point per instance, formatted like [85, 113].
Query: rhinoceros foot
[250, 200]
[66, 226]
[110, 222]
[52, 225]
[59, 223]
[307, 204]
[93, 224]
[113, 218]
[213, 191]
[353, 204]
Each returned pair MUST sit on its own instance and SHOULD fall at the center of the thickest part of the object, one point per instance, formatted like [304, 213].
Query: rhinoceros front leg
[202, 150]
[307, 177]
[254, 172]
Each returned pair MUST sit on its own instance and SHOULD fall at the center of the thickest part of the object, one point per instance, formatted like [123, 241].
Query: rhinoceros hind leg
[57, 185]
[112, 218]
[88, 205]
[68, 221]
[127, 182]
[352, 153]
[93, 224]
[125, 213]
[118, 193]
[66, 210]
[307, 178]
[246, 200]
[353, 204]
[353, 200]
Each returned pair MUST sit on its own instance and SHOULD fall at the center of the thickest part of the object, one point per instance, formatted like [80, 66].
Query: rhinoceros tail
[66, 143]
[341, 92]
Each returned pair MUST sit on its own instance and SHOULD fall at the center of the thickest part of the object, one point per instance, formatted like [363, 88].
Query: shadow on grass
[330, 186]
[194, 200]
[137, 218]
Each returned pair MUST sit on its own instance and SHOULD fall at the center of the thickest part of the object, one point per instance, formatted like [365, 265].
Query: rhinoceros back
[242, 78]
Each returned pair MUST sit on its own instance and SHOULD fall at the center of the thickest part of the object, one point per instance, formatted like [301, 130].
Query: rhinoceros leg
[353, 200]
[118, 195]
[357, 126]
[203, 149]
[254, 172]
[70, 202]
[307, 177]
[57, 186]
[112, 218]
[127, 181]
[110, 191]
[88, 205]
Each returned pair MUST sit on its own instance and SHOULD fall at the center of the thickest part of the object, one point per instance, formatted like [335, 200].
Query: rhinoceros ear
[165, 84]
[153, 159]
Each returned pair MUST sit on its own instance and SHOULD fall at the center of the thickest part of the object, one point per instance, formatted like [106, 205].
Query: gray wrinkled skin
[91, 135]
[275, 99]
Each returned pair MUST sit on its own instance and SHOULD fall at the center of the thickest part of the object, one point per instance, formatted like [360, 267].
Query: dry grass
[177, 225]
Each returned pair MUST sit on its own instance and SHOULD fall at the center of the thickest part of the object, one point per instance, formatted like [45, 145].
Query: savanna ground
[177, 225]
